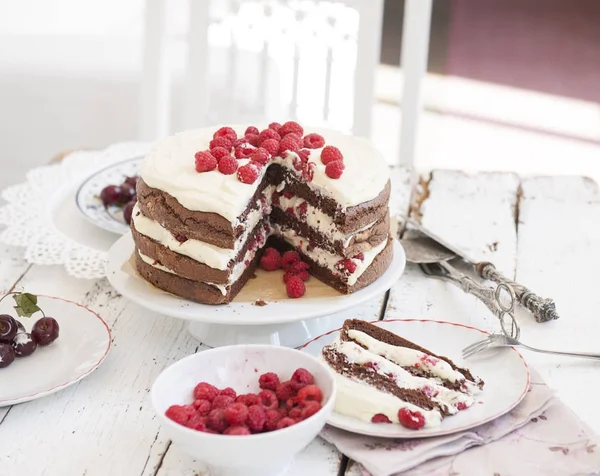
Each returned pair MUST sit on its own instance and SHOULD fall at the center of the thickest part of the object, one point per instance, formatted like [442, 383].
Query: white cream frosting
[320, 221]
[365, 173]
[406, 357]
[170, 167]
[327, 259]
[362, 401]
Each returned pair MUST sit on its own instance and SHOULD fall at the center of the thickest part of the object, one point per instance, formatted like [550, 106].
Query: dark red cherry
[127, 193]
[127, 211]
[110, 195]
[8, 328]
[45, 331]
[20, 327]
[23, 344]
[7, 355]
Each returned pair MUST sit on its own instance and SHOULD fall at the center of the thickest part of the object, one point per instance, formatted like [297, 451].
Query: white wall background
[69, 76]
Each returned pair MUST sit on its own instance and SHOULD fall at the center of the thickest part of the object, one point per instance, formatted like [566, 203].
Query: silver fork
[502, 340]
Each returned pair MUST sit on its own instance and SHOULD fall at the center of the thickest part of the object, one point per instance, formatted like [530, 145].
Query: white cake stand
[287, 322]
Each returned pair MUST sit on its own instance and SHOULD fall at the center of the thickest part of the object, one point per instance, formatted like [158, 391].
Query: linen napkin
[540, 436]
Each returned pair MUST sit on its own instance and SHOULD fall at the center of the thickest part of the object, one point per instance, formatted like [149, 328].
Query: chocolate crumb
[253, 276]
[260, 302]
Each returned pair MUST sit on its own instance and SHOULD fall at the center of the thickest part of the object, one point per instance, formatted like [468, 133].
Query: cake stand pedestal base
[293, 334]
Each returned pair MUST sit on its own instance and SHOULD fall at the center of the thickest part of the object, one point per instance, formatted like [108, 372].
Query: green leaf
[26, 304]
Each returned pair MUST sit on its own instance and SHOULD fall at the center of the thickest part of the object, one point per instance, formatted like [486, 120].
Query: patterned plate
[88, 195]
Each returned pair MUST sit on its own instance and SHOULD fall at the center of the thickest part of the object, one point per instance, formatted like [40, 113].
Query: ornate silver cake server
[432, 258]
[543, 309]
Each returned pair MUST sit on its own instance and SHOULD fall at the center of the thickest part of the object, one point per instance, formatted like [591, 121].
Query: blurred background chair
[483, 84]
[257, 60]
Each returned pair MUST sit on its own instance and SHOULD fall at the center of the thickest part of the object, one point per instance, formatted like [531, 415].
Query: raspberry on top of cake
[384, 378]
[171, 167]
[210, 200]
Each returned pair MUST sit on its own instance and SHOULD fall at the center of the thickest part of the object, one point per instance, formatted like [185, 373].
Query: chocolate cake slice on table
[210, 200]
[385, 378]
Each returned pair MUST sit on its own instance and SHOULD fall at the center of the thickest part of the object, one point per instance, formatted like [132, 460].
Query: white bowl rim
[200, 434]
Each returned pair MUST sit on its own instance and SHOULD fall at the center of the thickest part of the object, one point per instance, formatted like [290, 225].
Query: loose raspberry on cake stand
[214, 203]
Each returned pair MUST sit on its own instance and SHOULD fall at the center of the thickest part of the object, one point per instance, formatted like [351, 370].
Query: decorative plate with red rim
[82, 345]
[504, 371]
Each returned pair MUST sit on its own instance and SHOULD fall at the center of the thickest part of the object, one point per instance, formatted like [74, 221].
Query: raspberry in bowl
[244, 409]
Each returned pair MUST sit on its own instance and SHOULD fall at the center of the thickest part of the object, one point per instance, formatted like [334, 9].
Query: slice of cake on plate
[384, 378]
[210, 200]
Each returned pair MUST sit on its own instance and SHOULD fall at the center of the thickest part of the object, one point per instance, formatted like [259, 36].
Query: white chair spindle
[155, 90]
[367, 59]
[415, 51]
[327, 94]
[196, 104]
[295, 82]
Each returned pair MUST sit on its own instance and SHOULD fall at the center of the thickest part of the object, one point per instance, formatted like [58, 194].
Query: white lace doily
[31, 213]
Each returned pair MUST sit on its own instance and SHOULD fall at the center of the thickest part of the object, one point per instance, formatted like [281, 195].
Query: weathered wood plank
[558, 257]
[402, 179]
[353, 469]
[477, 214]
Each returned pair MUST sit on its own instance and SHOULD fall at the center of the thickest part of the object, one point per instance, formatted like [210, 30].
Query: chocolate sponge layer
[193, 290]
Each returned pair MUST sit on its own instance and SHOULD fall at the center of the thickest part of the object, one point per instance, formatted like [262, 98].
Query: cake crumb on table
[260, 302]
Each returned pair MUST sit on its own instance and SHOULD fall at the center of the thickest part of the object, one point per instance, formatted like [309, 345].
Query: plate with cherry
[107, 197]
[41, 330]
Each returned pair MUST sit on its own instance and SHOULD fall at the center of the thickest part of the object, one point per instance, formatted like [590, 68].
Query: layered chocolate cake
[385, 378]
[210, 200]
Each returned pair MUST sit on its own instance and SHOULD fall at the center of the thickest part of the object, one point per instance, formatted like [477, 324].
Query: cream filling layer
[146, 259]
[211, 255]
[359, 400]
[446, 398]
[405, 357]
[327, 259]
[319, 220]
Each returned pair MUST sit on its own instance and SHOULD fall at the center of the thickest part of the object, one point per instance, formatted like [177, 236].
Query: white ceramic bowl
[238, 367]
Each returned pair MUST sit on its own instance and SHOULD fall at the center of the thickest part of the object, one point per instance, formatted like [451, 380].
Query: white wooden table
[543, 231]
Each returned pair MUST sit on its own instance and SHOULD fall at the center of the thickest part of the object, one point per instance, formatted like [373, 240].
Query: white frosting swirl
[170, 167]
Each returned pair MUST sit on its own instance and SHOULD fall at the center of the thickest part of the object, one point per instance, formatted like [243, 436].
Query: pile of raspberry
[295, 270]
[411, 420]
[278, 405]
[260, 147]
